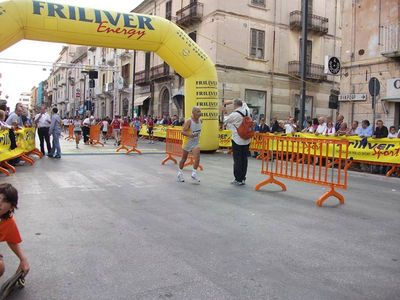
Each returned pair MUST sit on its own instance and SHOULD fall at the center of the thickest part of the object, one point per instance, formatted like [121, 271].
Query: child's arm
[24, 264]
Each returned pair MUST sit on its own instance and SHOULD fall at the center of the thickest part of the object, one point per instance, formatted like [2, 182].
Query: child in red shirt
[8, 228]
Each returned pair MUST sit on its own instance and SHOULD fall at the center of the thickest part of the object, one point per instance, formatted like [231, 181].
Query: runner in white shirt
[104, 129]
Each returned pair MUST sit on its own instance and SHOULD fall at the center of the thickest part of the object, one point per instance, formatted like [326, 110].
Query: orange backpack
[246, 128]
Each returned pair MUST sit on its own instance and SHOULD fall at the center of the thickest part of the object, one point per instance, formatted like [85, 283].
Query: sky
[17, 78]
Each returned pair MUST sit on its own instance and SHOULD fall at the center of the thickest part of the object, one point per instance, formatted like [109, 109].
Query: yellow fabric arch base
[45, 21]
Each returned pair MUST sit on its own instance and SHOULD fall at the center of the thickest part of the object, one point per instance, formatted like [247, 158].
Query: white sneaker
[179, 177]
[195, 178]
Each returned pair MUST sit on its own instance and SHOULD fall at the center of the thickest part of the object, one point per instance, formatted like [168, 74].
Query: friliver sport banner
[5, 144]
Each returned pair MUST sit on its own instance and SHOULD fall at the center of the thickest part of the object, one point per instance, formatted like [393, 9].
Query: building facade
[25, 99]
[372, 49]
[255, 45]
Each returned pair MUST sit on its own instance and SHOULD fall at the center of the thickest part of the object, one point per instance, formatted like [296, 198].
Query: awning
[391, 99]
[139, 101]
[179, 93]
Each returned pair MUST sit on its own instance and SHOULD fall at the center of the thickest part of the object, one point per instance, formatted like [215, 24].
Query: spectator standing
[15, 118]
[262, 127]
[290, 126]
[381, 131]
[365, 130]
[342, 129]
[42, 122]
[392, 133]
[330, 129]
[353, 130]
[55, 131]
[240, 147]
[321, 129]
[339, 121]
[86, 130]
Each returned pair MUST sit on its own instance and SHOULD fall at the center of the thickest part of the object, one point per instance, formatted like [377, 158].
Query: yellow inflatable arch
[45, 21]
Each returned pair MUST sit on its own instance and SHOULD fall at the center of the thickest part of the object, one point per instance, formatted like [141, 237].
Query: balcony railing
[390, 45]
[126, 82]
[142, 78]
[316, 23]
[313, 71]
[160, 72]
[190, 14]
[108, 88]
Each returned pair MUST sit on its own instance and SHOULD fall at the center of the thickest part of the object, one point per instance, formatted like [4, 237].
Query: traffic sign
[352, 97]
[334, 65]
[374, 86]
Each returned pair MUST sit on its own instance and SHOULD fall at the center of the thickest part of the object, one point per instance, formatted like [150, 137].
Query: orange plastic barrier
[173, 147]
[94, 137]
[256, 144]
[129, 138]
[307, 160]
[70, 136]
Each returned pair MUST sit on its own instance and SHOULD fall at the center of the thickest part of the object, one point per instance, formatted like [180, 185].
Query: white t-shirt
[86, 122]
[105, 126]
[289, 128]
[321, 129]
[43, 120]
[393, 135]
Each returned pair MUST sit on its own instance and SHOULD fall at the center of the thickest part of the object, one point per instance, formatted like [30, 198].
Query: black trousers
[43, 133]
[86, 133]
[240, 153]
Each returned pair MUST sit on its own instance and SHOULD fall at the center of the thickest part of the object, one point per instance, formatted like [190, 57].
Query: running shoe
[195, 177]
[180, 178]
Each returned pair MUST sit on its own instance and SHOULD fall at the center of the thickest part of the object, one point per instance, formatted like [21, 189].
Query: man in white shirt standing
[240, 147]
[42, 123]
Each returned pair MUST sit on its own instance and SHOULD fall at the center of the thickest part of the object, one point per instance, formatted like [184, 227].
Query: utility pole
[133, 83]
[303, 62]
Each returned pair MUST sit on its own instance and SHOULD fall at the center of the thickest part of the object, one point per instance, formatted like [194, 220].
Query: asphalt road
[121, 227]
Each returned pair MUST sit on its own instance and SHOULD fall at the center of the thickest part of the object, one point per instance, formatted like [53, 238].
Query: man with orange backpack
[242, 127]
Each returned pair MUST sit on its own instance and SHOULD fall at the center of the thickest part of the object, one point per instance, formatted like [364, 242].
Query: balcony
[108, 88]
[142, 78]
[313, 71]
[126, 85]
[316, 24]
[190, 14]
[160, 72]
[390, 45]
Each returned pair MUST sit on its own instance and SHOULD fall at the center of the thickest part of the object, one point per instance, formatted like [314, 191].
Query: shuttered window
[258, 2]
[257, 43]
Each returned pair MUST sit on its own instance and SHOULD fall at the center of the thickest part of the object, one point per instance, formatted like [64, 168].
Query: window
[168, 10]
[258, 2]
[308, 112]
[309, 52]
[256, 102]
[193, 36]
[125, 71]
[257, 43]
